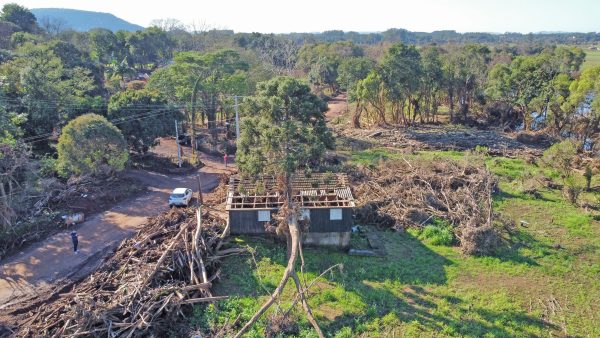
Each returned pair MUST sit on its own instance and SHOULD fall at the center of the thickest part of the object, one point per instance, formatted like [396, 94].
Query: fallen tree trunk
[290, 228]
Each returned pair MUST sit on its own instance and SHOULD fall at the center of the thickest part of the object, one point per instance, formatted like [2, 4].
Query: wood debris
[401, 194]
[149, 283]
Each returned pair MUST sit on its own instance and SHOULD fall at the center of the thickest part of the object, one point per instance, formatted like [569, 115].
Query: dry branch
[401, 194]
[143, 289]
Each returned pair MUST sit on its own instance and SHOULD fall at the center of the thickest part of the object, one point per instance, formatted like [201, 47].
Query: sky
[272, 16]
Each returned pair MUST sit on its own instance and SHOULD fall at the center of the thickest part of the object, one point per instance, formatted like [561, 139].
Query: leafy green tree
[156, 117]
[285, 133]
[285, 129]
[149, 46]
[352, 70]
[323, 73]
[466, 70]
[524, 84]
[401, 72]
[20, 16]
[35, 77]
[47, 92]
[201, 80]
[585, 103]
[370, 93]
[104, 46]
[559, 112]
[120, 71]
[10, 123]
[432, 81]
[309, 54]
[90, 144]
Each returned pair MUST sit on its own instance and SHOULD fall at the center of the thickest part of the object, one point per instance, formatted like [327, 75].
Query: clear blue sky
[358, 15]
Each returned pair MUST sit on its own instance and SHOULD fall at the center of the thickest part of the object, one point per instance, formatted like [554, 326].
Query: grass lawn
[545, 283]
[592, 59]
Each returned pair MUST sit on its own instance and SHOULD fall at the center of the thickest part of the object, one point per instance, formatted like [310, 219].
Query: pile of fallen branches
[401, 194]
[145, 287]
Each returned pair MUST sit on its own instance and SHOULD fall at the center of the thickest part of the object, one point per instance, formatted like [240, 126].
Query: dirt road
[337, 107]
[34, 270]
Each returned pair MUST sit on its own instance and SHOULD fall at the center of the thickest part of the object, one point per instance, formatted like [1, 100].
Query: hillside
[84, 20]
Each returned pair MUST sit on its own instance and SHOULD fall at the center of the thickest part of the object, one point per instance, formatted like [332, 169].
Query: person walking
[75, 241]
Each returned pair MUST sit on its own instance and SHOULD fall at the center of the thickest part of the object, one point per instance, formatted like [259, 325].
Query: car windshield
[177, 195]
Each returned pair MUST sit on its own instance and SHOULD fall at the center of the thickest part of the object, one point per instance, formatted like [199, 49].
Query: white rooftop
[179, 190]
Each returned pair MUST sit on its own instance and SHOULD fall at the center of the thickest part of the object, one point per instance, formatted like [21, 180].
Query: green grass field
[545, 284]
[592, 59]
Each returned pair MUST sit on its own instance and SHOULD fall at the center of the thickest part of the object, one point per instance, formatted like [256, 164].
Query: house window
[335, 214]
[304, 214]
[264, 215]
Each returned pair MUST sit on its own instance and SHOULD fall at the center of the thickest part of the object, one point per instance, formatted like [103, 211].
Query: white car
[180, 197]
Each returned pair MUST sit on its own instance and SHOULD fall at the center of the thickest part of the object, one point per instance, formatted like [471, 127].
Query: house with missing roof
[325, 200]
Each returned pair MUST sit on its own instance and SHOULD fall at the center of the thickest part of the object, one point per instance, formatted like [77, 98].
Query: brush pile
[145, 287]
[401, 194]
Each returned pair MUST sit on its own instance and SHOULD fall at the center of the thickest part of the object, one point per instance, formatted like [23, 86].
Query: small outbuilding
[325, 200]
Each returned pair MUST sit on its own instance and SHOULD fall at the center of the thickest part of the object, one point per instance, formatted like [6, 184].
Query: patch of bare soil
[144, 289]
[79, 194]
[401, 194]
[337, 107]
[164, 165]
[443, 137]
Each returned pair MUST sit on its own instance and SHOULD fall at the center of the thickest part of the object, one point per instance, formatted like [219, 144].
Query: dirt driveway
[337, 107]
[40, 266]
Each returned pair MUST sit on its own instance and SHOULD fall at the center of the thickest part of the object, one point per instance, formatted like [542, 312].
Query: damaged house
[325, 201]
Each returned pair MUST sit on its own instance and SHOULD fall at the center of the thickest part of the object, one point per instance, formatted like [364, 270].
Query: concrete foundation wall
[336, 239]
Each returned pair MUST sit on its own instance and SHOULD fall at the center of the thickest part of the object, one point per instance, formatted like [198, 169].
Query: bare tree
[52, 25]
[168, 24]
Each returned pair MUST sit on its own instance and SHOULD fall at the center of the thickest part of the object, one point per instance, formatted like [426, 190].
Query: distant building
[325, 201]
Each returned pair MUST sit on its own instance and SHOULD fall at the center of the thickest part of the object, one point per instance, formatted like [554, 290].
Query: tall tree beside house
[285, 132]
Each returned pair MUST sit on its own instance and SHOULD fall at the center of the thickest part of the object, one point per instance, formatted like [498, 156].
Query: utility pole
[178, 145]
[237, 119]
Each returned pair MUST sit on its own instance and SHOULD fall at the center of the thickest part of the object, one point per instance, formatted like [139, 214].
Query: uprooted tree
[285, 132]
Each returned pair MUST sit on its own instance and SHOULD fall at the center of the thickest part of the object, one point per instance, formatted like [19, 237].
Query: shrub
[560, 157]
[436, 234]
[90, 144]
[48, 166]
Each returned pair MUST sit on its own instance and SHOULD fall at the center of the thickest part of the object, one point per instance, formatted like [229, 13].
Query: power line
[116, 120]
[44, 137]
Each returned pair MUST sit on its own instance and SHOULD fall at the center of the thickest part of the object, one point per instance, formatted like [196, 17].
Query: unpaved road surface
[337, 107]
[34, 270]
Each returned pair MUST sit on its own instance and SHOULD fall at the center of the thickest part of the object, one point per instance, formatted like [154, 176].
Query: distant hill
[84, 20]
